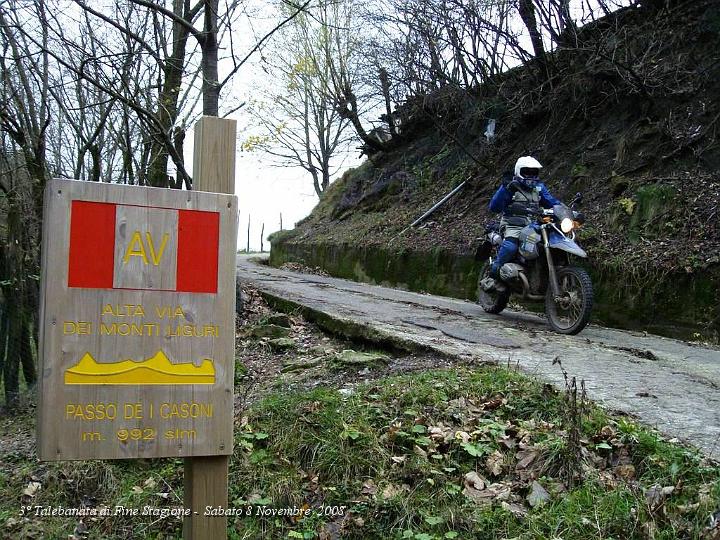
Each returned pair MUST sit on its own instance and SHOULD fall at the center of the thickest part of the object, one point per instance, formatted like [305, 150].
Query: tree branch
[259, 44]
[175, 17]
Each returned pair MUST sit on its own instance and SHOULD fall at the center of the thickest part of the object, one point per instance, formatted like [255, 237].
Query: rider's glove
[507, 178]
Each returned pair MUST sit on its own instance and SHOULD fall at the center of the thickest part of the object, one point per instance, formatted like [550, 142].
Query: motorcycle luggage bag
[529, 239]
[515, 221]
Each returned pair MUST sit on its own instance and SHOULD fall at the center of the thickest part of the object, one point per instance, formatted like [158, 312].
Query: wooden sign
[136, 322]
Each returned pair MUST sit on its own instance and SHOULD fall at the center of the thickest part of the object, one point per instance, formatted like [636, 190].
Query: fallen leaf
[398, 459]
[501, 491]
[493, 404]
[369, 487]
[655, 495]
[525, 458]
[419, 452]
[392, 490]
[494, 463]
[538, 496]
[150, 483]
[462, 436]
[137, 489]
[80, 529]
[508, 442]
[687, 508]
[474, 480]
[436, 433]
[626, 472]
[458, 403]
[515, 509]
[31, 489]
[477, 496]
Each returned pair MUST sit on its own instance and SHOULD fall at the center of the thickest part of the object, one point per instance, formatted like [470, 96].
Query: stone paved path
[666, 383]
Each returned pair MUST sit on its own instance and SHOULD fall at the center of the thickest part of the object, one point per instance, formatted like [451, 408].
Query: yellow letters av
[136, 248]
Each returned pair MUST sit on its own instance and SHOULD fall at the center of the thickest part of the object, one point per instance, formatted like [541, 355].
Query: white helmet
[526, 162]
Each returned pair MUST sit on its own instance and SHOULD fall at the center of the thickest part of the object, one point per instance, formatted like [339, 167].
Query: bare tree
[299, 123]
[166, 131]
[24, 118]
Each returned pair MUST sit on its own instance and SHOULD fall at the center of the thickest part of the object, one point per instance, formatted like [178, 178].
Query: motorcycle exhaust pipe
[526, 289]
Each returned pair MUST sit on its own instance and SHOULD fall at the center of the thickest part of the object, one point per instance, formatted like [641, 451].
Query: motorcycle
[542, 269]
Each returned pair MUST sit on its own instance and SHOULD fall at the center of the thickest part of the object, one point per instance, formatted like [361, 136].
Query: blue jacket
[503, 197]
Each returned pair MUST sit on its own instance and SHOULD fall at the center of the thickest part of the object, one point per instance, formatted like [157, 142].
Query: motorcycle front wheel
[570, 312]
[492, 302]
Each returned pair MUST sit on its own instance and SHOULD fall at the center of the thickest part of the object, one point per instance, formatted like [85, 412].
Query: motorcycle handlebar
[520, 209]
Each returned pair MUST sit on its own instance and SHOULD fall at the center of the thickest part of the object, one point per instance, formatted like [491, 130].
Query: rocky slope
[629, 118]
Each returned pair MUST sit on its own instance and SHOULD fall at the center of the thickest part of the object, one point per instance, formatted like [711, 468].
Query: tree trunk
[347, 109]
[96, 164]
[526, 10]
[168, 108]
[26, 353]
[210, 86]
[4, 321]
[178, 143]
[385, 84]
[11, 371]
[127, 151]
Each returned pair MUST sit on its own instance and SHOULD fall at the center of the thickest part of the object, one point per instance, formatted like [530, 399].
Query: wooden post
[206, 478]
[281, 221]
[262, 233]
[248, 236]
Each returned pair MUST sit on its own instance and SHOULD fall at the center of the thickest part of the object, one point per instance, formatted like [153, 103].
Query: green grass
[391, 457]
[347, 441]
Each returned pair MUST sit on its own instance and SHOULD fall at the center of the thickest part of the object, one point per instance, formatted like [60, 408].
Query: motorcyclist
[523, 190]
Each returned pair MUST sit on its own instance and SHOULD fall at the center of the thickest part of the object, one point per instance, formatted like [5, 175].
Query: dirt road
[669, 384]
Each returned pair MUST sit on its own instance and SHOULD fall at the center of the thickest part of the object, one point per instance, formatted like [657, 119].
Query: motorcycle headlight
[566, 225]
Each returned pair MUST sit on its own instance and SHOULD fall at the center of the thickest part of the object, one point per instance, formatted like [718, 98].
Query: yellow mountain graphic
[155, 370]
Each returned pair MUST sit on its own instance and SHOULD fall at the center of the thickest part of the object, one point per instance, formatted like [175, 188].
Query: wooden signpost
[137, 327]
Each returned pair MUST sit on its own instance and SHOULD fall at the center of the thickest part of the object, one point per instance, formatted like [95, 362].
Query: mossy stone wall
[680, 305]
[435, 272]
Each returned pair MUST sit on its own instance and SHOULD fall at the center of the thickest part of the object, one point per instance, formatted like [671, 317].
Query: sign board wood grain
[137, 322]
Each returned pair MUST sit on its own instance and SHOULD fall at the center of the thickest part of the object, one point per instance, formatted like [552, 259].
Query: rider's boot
[507, 251]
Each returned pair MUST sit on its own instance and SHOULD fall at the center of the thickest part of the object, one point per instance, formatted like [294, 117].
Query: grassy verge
[464, 454]
[454, 453]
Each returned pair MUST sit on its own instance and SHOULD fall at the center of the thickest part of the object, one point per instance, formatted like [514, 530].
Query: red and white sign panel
[183, 251]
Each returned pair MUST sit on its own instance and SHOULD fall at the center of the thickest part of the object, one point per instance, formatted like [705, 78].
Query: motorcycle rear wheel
[571, 313]
[492, 302]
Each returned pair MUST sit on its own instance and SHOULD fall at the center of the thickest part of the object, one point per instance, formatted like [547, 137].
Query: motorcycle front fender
[561, 242]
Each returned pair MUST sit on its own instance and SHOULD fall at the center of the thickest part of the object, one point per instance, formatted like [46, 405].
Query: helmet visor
[529, 172]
